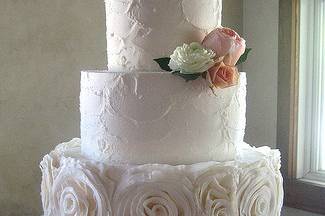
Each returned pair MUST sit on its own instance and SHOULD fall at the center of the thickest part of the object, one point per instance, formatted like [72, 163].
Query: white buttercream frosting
[139, 31]
[75, 185]
[77, 190]
[159, 118]
[216, 190]
[154, 190]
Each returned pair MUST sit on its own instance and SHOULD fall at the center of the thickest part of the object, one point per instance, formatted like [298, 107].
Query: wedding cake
[162, 129]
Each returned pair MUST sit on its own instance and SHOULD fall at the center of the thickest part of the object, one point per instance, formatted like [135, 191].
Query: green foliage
[243, 57]
[163, 63]
[187, 77]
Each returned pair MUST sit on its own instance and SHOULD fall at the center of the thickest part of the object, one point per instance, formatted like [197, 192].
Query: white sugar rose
[215, 191]
[78, 191]
[191, 58]
[154, 193]
[260, 191]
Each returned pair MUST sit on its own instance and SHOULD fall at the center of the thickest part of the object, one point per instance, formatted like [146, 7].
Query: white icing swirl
[152, 192]
[74, 185]
[259, 190]
[77, 190]
[215, 191]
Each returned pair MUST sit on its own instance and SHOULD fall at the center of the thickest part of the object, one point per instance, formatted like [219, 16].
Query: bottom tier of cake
[73, 185]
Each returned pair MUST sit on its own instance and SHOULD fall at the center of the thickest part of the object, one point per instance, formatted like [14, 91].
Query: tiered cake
[151, 143]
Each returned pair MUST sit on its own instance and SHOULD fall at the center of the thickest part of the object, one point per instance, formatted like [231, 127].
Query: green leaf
[243, 57]
[187, 77]
[163, 63]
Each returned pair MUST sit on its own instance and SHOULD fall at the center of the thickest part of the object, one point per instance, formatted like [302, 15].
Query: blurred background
[43, 46]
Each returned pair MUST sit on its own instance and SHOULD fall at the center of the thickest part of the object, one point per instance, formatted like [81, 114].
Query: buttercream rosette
[79, 191]
[74, 185]
[215, 191]
[154, 190]
[71, 187]
[260, 191]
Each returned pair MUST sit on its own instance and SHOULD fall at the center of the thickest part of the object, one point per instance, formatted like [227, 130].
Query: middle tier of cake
[156, 117]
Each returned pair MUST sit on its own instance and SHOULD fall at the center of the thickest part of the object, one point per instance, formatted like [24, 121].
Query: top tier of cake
[139, 31]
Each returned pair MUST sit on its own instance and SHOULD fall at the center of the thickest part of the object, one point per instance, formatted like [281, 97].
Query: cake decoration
[214, 59]
[249, 185]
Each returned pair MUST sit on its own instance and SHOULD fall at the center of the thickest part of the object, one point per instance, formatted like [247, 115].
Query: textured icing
[75, 185]
[159, 118]
[72, 187]
[141, 30]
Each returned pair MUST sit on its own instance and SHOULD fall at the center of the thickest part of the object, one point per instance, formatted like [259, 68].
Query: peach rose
[223, 76]
[226, 43]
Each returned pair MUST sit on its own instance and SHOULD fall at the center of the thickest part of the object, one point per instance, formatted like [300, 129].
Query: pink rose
[222, 76]
[226, 43]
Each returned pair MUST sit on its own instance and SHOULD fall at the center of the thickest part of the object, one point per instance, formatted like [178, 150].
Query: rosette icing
[71, 187]
[147, 190]
[215, 191]
[77, 191]
[260, 190]
[75, 185]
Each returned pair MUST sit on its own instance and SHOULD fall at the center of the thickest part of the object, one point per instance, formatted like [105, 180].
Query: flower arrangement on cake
[214, 59]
